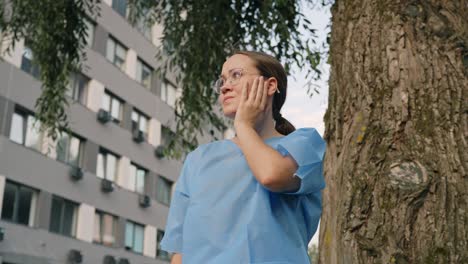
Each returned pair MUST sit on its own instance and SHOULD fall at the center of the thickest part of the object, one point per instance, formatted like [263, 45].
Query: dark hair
[269, 66]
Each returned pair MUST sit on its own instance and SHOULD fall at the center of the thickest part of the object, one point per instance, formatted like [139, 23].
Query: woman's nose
[225, 88]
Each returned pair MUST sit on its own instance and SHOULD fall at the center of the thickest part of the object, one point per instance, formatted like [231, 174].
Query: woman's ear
[272, 86]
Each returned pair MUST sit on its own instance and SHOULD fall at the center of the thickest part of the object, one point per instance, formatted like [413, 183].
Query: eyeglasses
[234, 77]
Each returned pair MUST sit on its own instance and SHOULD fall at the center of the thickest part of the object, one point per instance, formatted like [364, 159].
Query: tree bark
[396, 126]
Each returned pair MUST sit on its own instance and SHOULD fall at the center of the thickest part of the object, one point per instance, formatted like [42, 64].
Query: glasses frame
[219, 83]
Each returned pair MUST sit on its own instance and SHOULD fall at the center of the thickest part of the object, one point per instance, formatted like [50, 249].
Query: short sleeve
[307, 148]
[172, 240]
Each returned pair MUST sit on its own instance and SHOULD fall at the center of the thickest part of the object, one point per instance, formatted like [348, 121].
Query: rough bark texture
[396, 164]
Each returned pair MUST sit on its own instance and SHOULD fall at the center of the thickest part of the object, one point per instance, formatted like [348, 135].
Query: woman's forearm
[270, 168]
[176, 258]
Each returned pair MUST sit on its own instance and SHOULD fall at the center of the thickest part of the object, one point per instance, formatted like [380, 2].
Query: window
[139, 121]
[113, 105]
[166, 136]
[18, 203]
[89, 32]
[69, 149]
[137, 178]
[77, 86]
[163, 190]
[142, 23]
[134, 235]
[120, 6]
[25, 130]
[164, 255]
[105, 226]
[27, 64]
[168, 93]
[116, 53]
[63, 216]
[106, 165]
[143, 73]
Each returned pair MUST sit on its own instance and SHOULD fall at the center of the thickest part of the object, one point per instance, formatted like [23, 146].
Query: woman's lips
[226, 99]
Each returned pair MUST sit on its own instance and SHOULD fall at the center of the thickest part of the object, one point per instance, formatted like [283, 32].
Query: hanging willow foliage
[55, 31]
[197, 38]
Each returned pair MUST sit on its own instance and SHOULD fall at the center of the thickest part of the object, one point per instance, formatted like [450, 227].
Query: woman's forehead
[238, 61]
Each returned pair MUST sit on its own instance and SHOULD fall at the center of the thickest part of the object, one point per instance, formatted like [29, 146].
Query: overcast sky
[299, 108]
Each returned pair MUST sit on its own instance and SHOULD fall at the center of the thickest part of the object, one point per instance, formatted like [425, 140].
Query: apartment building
[102, 193]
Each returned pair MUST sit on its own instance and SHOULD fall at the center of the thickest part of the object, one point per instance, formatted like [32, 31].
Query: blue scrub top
[220, 213]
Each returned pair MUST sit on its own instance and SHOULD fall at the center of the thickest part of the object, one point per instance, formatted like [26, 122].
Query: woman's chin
[229, 114]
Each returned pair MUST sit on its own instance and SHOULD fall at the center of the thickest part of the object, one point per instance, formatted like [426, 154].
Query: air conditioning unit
[2, 233]
[159, 151]
[107, 185]
[108, 259]
[145, 200]
[124, 261]
[75, 256]
[103, 116]
[76, 173]
[138, 136]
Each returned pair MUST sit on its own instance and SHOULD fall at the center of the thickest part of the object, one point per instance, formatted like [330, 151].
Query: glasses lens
[218, 84]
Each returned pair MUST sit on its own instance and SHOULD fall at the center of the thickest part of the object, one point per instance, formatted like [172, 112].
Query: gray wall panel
[6, 112]
[100, 40]
[156, 85]
[127, 117]
[22, 88]
[44, 205]
[150, 184]
[89, 159]
[120, 232]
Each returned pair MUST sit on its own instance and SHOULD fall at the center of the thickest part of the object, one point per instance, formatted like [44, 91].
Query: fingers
[244, 93]
[253, 90]
[264, 95]
[259, 93]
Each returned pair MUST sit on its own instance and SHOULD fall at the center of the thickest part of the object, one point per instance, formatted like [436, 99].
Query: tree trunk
[396, 126]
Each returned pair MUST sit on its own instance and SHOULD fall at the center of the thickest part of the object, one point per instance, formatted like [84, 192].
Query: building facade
[102, 193]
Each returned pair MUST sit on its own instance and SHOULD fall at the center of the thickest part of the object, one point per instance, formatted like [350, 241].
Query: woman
[255, 198]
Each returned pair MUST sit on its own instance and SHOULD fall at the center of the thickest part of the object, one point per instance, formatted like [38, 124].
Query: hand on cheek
[252, 104]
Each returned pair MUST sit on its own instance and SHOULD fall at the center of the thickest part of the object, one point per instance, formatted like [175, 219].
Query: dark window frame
[17, 202]
[132, 247]
[163, 180]
[25, 115]
[101, 228]
[113, 61]
[160, 253]
[117, 6]
[75, 91]
[150, 69]
[140, 116]
[105, 152]
[28, 65]
[112, 96]
[63, 203]
[145, 177]
[67, 155]
[166, 135]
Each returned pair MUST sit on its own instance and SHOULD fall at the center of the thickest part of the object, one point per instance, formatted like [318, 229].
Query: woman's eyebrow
[229, 71]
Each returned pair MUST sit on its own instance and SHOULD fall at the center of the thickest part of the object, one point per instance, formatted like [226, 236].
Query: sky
[301, 109]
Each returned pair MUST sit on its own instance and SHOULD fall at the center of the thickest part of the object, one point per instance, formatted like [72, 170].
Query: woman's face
[230, 93]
